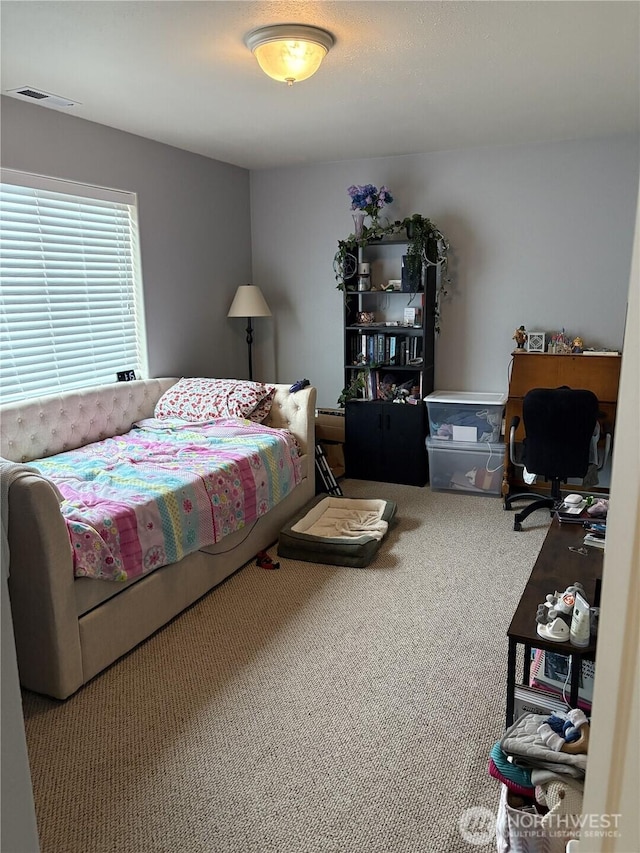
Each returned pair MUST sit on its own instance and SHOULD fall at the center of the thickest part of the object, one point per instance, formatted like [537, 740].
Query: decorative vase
[358, 223]
[375, 224]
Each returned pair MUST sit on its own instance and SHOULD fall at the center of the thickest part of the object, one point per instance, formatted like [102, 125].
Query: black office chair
[559, 426]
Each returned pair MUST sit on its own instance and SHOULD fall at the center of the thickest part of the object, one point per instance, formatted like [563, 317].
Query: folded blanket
[541, 777]
[512, 786]
[344, 518]
[523, 741]
[520, 775]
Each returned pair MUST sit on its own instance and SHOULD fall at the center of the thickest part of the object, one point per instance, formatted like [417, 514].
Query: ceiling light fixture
[289, 52]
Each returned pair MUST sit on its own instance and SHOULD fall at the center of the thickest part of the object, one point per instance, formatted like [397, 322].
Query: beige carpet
[307, 710]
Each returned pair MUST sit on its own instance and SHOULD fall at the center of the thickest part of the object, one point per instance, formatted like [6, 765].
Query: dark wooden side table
[556, 568]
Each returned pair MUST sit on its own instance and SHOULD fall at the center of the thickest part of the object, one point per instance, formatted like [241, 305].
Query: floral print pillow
[198, 400]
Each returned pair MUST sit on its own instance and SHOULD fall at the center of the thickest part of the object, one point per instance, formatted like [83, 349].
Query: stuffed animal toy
[566, 732]
[599, 508]
[559, 604]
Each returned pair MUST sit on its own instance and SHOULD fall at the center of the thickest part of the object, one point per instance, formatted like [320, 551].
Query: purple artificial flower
[369, 198]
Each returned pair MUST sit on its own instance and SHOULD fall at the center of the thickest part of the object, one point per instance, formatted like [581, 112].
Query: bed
[78, 609]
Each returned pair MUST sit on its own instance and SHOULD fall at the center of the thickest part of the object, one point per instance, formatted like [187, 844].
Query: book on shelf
[550, 671]
[382, 349]
[532, 700]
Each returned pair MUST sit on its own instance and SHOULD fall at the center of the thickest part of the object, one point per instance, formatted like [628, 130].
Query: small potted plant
[354, 389]
[422, 237]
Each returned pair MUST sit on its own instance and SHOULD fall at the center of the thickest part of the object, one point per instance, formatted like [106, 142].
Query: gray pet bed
[336, 530]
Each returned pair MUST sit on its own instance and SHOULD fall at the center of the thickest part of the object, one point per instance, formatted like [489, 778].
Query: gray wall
[194, 229]
[540, 235]
[196, 249]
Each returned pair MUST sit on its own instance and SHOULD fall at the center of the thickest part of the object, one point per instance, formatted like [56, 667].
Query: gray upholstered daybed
[69, 629]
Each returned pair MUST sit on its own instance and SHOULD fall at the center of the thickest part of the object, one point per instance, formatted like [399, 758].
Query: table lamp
[249, 302]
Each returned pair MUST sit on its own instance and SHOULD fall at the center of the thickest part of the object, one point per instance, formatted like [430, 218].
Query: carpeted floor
[312, 709]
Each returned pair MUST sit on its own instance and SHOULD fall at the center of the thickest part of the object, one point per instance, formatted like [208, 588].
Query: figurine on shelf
[578, 346]
[560, 344]
[520, 337]
[387, 387]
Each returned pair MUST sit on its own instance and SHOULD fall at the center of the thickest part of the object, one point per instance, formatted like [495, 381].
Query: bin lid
[446, 445]
[475, 398]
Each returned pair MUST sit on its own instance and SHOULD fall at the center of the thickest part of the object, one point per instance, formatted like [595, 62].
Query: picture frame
[409, 316]
[535, 341]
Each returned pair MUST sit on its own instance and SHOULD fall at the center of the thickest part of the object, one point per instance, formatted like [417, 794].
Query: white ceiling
[402, 77]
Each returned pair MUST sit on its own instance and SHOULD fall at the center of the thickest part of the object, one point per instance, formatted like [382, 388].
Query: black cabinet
[386, 441]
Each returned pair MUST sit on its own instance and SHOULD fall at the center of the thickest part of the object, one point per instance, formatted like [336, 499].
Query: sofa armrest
[41, 590]
[297, 413]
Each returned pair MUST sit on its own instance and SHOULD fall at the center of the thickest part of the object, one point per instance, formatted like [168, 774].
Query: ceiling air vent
[31, 93]
[28, 93]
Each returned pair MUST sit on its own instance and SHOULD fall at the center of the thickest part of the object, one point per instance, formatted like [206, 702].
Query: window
[71, 313]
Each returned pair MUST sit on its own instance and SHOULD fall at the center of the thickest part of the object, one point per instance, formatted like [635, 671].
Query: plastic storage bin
[465, 415]
[474, 467]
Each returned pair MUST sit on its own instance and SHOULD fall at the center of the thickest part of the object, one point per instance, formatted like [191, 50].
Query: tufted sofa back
[295, 412]
[48, 425]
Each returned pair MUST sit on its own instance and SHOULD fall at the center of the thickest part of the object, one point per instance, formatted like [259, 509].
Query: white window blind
[71, 313]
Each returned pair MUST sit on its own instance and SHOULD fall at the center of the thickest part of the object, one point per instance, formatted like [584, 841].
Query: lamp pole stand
[249, 331]
[249, 302]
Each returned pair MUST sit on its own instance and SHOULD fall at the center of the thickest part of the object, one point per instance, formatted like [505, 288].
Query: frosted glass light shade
[289, 52]
[249, 302]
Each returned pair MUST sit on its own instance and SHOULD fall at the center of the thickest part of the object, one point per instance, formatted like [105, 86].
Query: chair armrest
[607, 450]
[515, 423]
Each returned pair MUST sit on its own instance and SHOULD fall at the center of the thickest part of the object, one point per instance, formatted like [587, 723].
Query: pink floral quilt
[167, 488]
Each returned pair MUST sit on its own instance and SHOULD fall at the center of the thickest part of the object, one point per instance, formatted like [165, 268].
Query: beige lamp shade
[289, 53]
[249, 302]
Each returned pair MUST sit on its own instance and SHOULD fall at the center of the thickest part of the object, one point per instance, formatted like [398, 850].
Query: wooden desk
[555, 569]
[597, 373]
